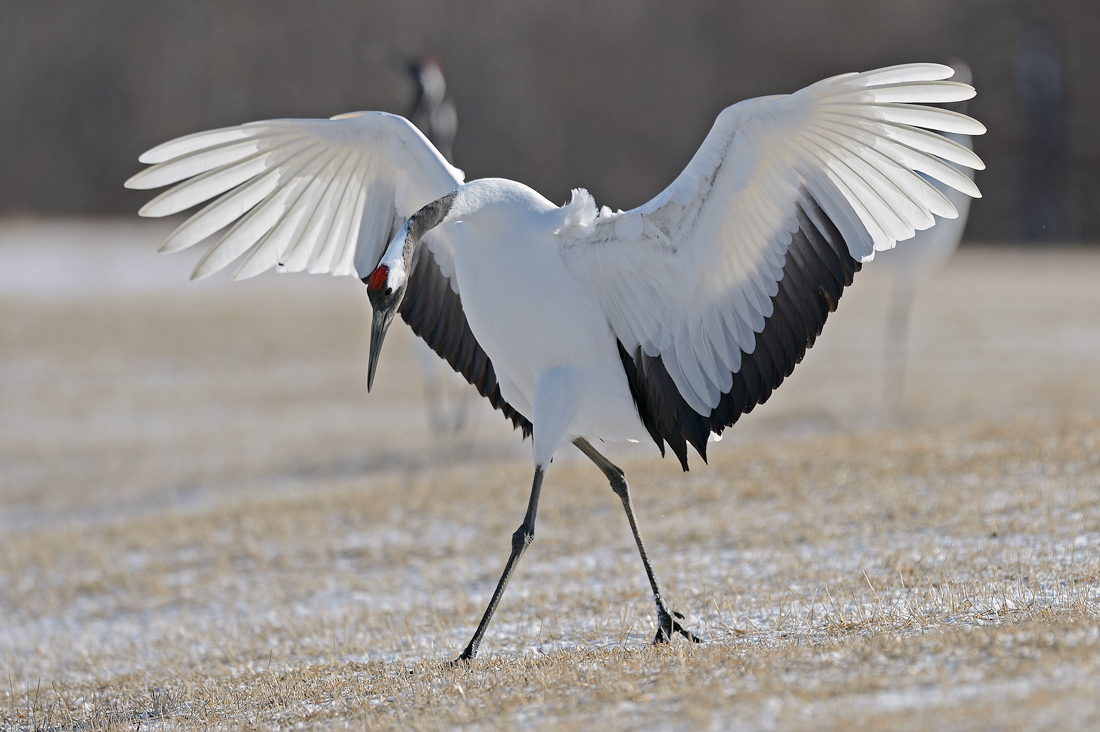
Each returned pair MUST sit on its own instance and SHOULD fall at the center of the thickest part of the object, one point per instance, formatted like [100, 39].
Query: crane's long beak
[378, 327]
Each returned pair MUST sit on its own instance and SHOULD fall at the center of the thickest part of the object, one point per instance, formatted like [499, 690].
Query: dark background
[612, 95]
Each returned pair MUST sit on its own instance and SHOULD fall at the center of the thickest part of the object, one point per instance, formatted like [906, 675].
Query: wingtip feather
[134, 181]
[173, 149]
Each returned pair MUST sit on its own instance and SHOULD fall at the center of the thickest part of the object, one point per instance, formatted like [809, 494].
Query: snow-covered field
[205, 520]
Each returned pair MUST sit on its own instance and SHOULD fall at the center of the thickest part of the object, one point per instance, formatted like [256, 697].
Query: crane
[581, 324]
[921, 256]
[434, 113]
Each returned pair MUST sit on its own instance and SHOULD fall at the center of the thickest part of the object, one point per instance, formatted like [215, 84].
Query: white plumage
[907, 266]
[448, 401]
[921, 256]
[707, 253]
[581, 324]
[930, 248]
[321, 195]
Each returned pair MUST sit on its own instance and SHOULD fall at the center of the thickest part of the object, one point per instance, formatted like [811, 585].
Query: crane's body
[665, 322]
[537, 322]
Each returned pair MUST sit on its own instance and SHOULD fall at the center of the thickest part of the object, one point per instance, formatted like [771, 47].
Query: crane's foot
[464, 660]
[667, 625]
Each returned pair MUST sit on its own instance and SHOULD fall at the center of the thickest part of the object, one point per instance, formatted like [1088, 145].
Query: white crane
[434, 113]
[921, 256]
[665, 322]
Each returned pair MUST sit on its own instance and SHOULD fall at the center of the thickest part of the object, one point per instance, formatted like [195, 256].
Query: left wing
[716, 287]
[323, 196]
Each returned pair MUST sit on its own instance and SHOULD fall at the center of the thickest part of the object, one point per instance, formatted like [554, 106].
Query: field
[206, 522]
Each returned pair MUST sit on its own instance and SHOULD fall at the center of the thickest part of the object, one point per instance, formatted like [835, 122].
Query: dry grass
[206, 524]
[839, 581]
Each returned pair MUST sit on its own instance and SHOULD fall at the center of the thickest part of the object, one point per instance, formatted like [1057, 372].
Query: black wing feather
[434, 312]
[816, 270]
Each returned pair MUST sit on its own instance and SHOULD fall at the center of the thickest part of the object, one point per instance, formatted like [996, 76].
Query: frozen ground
[206, 521]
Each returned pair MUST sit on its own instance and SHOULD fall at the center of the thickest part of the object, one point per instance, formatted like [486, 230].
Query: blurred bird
[580, 324]
[926, 254]
[434, 114]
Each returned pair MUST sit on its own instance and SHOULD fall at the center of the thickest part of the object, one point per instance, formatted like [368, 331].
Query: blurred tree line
[612, 95]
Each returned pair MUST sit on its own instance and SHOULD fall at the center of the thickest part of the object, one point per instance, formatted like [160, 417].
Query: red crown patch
[377, 278]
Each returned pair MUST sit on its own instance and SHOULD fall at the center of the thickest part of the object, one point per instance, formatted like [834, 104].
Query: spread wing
[301, 194]
[716, 287]
[322, 196]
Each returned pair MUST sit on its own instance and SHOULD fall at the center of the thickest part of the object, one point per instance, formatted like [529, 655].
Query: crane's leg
[897, 338]
[666, 619]
[521, 539]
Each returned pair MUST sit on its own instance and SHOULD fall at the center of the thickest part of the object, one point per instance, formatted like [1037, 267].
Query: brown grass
[206, 524]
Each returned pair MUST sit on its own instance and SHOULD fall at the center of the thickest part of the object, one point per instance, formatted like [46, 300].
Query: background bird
[433, 112]
[449, 405]
[921, 257]
[662, 323]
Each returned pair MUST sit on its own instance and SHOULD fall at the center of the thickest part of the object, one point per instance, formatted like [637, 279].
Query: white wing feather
[690, 275]
[316, 195]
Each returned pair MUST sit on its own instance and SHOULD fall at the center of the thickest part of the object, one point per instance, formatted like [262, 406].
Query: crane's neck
[432, 84]
[398, 256]
[493, 203]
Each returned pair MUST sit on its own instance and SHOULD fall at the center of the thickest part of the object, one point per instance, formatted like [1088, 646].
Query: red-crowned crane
[666, 322]
[921, 256]
[434, 113]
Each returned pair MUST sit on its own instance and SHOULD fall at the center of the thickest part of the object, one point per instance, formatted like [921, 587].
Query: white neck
[394, 258]
[435, 87]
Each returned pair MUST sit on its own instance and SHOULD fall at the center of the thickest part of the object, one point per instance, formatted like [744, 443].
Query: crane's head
[386, 285]
[428, 72]
[385, 289]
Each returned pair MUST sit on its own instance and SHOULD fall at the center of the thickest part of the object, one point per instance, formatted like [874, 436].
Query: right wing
[306, 194]
[323, 196]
